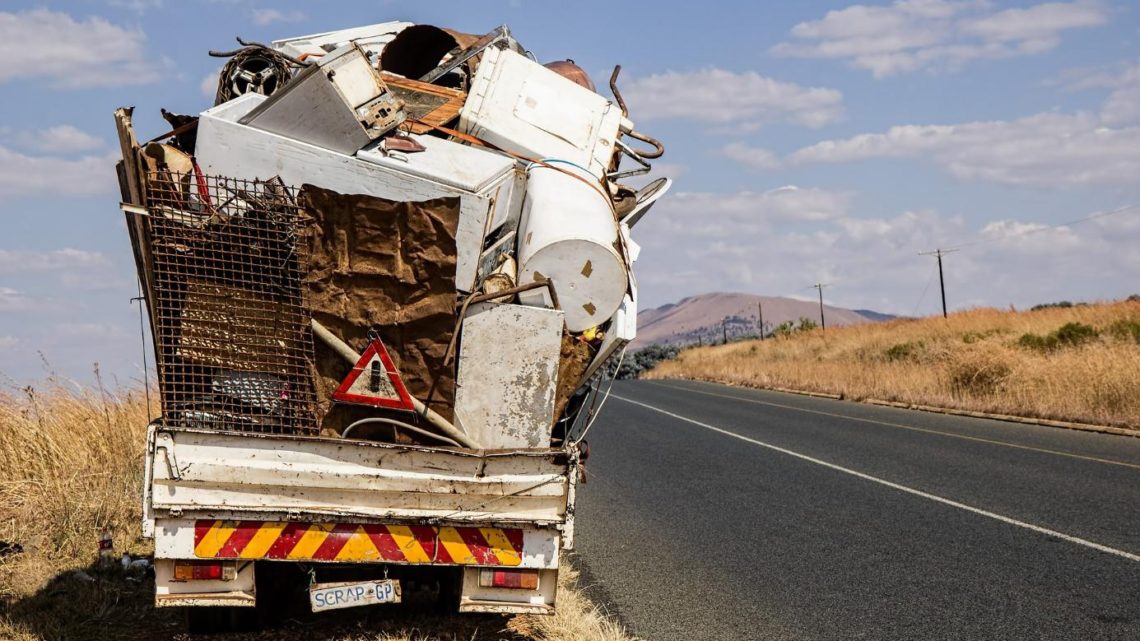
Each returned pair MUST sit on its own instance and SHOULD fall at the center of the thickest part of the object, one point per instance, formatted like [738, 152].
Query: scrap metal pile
[395, 232]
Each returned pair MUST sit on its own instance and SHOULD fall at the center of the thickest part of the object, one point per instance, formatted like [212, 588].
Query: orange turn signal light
[204, 571]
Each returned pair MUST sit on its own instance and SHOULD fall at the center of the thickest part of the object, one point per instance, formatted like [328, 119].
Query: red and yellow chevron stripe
[357, 542]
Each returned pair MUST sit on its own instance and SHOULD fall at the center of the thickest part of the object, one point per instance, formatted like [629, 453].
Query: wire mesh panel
[232, 334]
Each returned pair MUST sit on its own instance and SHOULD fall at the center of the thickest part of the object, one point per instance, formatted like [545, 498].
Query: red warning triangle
[375, 381]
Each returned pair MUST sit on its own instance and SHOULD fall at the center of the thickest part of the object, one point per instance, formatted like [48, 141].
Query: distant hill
[700, 317]
[870, 314]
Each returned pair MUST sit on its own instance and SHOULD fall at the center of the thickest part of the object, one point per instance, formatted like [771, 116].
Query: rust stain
[590, 308]
[588, 269]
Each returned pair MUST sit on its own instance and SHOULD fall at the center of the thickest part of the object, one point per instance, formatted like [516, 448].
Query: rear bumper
[358, 542]
[469, 549]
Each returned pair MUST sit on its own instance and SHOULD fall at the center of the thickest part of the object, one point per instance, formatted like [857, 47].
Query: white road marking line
[902, 488]
[912, 428]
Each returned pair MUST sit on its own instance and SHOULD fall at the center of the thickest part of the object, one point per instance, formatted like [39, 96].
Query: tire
[219, 620]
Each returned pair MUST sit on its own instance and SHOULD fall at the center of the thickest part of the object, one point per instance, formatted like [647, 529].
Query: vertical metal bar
[941, 283]
[760, 309]
[822, 322]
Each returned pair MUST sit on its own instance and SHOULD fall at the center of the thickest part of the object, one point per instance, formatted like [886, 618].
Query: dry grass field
[1079, 363]
[71, 465]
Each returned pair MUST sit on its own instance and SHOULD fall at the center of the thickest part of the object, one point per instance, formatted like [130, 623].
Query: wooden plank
[133, 187]
[430, 104]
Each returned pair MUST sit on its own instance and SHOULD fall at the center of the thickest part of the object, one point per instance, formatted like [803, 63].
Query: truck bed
[211, 474]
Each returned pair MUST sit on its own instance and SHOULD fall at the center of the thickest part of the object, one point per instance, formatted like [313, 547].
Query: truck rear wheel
[218, 620]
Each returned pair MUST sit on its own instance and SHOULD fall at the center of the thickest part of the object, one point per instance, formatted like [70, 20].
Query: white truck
[282, 258]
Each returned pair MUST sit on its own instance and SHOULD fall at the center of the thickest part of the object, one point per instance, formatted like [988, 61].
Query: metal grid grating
[232, 334]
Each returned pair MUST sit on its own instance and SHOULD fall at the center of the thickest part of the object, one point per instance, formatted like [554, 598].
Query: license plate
[334, 596]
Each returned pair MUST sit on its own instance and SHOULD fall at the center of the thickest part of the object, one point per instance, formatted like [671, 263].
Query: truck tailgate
[206, 474]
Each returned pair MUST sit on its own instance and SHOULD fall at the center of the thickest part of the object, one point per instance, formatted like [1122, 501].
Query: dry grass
[974, 360]
[71, 464]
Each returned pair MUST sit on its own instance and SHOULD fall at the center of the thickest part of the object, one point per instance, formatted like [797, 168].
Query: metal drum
[568, 234]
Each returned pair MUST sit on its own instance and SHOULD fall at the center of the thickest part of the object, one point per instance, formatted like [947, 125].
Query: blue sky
[809, 141]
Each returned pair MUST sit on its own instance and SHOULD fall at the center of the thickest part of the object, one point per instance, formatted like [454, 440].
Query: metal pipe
[394, 423]
[617, 94]
[658, 148]
[347, 353]
[658, 151]
[479, 298]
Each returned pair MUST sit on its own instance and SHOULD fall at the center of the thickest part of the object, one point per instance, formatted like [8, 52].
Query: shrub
[904, 351]
[1069, 334]
[970, 338]
[1126, 329]
[783, 329]
[633, 365]
[978, 374]
[1038, 342]
[1075, 333]
[1058, 305]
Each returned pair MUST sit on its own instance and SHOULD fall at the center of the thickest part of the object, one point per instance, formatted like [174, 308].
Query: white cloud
[13, 300]
[746, 100]
[22, 174]
[1122, 105]
[269, 16]
[137, 6]
[1036, 26]
[660, 170]
[61, 138]
[1048, 150]
[697, 243]
[209, 84]
[97, 331]
[52, 46]
[909, 35]
[753, 157]
[14, 261]
[703, 214]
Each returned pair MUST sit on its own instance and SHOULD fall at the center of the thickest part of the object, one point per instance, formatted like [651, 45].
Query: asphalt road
[777, 516]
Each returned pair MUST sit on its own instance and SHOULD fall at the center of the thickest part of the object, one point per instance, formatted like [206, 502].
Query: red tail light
[515, 579]
[204, 571]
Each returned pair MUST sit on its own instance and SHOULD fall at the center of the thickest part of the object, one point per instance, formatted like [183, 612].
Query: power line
[922, 296]
[1036, 230]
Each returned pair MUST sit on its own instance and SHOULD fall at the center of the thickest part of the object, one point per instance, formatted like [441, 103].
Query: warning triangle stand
[374, 381]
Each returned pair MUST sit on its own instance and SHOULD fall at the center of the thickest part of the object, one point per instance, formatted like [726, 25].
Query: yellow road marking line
[907, 427]
[501, 546]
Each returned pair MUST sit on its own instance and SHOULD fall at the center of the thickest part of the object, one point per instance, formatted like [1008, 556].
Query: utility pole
[760, 310]
[822, 322]
[941, 281]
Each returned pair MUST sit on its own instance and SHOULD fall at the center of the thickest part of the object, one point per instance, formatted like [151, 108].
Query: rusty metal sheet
[508, 371]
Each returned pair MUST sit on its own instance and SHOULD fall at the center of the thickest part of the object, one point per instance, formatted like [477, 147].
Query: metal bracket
[165, 443]
[500, 33]
[629, 151]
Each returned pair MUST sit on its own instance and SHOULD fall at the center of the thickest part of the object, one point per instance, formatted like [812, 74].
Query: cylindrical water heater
[568, 233]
